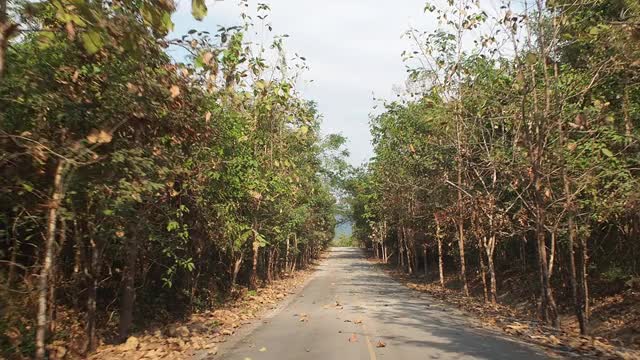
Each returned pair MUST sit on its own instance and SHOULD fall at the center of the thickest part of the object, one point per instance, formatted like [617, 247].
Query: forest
[147, 177]
[513, 162]
[138, 187]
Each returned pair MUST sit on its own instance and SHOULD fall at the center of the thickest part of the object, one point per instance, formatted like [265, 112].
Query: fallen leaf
[353, 338]
[381, 344]
[263, 349]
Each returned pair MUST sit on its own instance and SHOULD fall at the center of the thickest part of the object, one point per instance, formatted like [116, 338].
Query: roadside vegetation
[137, 188]
[510, 171]
[344, 240]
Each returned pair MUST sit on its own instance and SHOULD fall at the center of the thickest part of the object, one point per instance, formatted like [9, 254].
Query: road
[350, 305]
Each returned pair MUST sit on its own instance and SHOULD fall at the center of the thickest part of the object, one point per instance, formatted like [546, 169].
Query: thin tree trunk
[492, 276]
[549, 306]
[407, 250]
[253, 279]
[236, 270]
[286, 257]
[483, 272]
[295, 258]
[78, 256]
[62, 238]
[585, 279]
[14, 252]
[128, 290]
[523, 253]
[460, 218]
[400, 249]
[424, 258]
[43, 282]
[628, 123]
[440, 255]
[95, 268]
[269, 254]
[578, 303]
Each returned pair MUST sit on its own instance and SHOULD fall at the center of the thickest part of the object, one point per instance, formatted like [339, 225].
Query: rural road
[350, 305]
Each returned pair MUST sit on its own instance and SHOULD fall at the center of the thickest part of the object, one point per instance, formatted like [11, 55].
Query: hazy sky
[352, 47]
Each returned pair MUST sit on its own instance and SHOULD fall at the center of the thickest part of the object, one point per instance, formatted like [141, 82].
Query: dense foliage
[518, 149]
[137, 188]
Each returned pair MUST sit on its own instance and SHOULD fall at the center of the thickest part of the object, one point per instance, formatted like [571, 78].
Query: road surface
[350, 308]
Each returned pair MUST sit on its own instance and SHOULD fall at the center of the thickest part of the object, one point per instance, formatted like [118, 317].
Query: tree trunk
[483, 272]
[440, 255]
[95, 269]
[400, 249]
[460, 218]
[492, 276]
[62, 238]
[236, 270]
[295, 248]
[424, 259]
[14, 253]
[286, 256]
[57, 197]
[407, 250]
[269, 254]
[549, 308]
[78, 256]
[585, 278]
[463, 270]
[128, 290]
[578, 303]
[253, 279]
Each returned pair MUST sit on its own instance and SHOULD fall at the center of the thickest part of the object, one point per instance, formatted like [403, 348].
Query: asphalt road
[350, 305]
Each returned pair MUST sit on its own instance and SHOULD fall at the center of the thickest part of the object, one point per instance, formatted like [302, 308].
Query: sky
[352, 47]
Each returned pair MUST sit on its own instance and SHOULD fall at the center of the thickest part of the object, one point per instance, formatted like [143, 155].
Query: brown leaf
[381, 344]
[353, 338]
[104, 137]
[92, 138]
[71, 30]
[206, 58]
[175, 91]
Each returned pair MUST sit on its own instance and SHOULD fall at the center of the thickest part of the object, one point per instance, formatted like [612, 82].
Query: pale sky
[352, 47]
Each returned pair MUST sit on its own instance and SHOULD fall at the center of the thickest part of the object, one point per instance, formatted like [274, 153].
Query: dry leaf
[353, 338]
[71, 30]
[381, 344]
[175, 91]
[104, 137]
[207, 116]
[206, 58]
[92, 138]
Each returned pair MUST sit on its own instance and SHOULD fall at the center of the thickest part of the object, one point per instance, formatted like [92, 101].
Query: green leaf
[45, 38]
[92, 41]
[607, 152]
[198, 9]
[27, 187]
